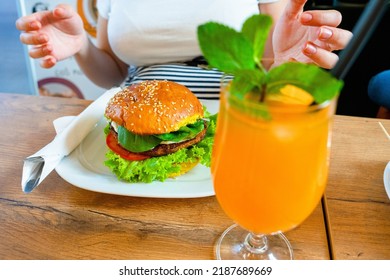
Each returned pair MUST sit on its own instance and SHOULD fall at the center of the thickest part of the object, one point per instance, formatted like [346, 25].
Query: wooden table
[357, 205]
[61, 221]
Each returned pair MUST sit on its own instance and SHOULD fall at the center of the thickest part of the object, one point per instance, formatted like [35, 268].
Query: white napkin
[37, 166]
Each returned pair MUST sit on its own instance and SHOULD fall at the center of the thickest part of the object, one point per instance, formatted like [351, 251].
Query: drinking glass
[269, 172]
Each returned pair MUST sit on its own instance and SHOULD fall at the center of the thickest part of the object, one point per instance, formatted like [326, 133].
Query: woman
[157, 39]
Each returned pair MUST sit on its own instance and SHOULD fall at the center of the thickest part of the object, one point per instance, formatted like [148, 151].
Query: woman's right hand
[53, 35]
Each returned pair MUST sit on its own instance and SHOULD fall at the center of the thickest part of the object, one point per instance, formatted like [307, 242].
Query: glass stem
[256, 243]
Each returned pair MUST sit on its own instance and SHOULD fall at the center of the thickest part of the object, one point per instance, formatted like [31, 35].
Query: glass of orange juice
[269, 171]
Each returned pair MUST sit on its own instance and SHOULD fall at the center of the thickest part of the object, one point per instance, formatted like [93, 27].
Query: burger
[157, 130]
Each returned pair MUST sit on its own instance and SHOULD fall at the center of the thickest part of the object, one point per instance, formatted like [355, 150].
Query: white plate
[386, 179]
[85, 169]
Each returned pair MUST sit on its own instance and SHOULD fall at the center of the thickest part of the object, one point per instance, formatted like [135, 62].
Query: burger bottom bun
[184, 168]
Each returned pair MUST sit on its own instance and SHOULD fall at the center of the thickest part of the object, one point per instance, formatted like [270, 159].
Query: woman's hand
[53, 35]
[309, 37]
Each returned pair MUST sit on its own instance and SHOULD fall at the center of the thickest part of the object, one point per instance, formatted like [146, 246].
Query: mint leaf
[225, 48]
[241, 53]
[313, 79]
[246, 80]
[256, 29]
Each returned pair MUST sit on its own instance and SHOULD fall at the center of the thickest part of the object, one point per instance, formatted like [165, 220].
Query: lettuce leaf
[136, 143]
[186, 132]
[141, 143]
[159, 168]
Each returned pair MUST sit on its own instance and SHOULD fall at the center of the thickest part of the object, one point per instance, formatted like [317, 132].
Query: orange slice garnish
[291, 94]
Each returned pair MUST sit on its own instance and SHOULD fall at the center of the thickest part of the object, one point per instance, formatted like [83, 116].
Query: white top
[149, 32]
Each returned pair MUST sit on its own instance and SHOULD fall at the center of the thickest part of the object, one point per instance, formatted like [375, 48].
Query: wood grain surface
[358, 207]
[61, 221]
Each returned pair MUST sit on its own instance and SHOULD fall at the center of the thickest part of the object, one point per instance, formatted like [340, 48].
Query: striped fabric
[204, 83]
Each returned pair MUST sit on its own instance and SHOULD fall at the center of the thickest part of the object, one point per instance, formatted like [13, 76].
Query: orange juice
[269, 175]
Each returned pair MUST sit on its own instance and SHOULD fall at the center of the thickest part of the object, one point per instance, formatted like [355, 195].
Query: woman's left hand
[310, 36]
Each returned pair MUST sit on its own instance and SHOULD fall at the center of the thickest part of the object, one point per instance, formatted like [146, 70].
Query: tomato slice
[113, 144]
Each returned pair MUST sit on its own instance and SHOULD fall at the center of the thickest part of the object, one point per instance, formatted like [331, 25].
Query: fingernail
[49, 62]
[325, 33]
[310, 49]
[34, 25]
[306, 17]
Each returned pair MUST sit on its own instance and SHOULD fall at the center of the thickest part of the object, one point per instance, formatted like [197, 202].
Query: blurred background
[375, 57]
[13, 66]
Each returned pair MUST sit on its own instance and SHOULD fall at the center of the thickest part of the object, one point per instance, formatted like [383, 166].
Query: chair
[383, 113]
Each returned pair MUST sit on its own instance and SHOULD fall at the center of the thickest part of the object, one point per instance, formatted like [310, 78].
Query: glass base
[237, 243]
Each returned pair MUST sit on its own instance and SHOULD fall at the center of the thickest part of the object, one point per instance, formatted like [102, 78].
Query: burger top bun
[154, 107]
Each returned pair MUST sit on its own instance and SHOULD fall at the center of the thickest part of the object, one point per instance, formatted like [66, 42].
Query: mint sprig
[240, 53]
[225, 48]
[257, 36]
[313, 79]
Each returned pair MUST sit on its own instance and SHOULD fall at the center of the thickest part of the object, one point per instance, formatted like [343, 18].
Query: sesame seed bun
[185, 167]
[154, 107]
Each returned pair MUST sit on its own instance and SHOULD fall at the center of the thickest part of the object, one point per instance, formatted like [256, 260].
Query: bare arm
[275, 10]
[99, 62]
